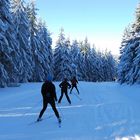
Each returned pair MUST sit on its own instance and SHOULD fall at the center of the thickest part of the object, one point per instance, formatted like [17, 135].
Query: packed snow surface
[102, 111]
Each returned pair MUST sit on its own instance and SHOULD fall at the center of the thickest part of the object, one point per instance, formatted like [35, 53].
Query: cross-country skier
[64, 85]
[49, 96]
[74, 83]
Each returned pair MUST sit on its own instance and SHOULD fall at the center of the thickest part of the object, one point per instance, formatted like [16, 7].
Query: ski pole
[60, 111]
[61, 114]
[77, 96]
[31, 108]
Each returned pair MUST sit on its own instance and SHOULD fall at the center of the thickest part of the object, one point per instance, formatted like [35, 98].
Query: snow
[106, 111]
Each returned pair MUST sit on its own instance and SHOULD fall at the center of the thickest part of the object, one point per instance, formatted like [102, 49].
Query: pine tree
[110, 64]
[74, 53]
[3, 76]
[9, 49]
[23, 33]
[94, 71]
[45, 48]
[136, 74]
[133, 74]
[128, 34]
[85, 51]
[67, 68]
[126, 62]
[81, 63]
[62, 60]
[37, 56]
[3, 47]
[137, 20]
[135, 77]
[129, 63]
[58, 56]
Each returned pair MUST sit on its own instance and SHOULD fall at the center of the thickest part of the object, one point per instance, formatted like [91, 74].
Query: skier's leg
[52, 103]
[60, 97]
[45, 103]
[77, 89]
[71, 89]
[67, 97]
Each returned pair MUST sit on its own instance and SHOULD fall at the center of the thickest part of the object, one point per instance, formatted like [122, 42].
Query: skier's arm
[54, 92]
[69, 86]
[43, 89]
[60, 85]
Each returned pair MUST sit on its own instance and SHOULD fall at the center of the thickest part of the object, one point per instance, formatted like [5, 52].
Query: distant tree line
[81, 60]
[26, 53]
[129, 61]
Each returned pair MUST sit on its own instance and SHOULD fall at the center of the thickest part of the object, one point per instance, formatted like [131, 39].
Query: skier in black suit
[64, 85]
[49, 96]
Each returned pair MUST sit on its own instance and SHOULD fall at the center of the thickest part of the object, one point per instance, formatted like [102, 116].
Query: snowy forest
[129, 61]
[27, 55]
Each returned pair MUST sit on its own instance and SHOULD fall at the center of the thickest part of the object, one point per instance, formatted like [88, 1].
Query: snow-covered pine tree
[126, 62]
[85, 51]
[74, 52]
[110, 65]
[137, 20]
[127, 38]
[127, 35]
[62, 68]
[67, 62]
[128, 66]
[45, 48]
[3, 76]
[135, 70]
[3, 47]
[9, 49]
[36, 42]
[101, 66]
[80, 67]
[135, 78]
[23, 33]
[94, 71]
[58, 55]
[81, 63]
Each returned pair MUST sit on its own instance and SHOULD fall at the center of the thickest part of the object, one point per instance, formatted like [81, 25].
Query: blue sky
[102, 21]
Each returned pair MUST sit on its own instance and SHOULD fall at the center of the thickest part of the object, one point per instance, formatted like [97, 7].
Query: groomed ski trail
[107, 111]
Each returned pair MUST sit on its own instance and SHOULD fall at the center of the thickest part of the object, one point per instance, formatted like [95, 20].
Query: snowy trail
[107, 111]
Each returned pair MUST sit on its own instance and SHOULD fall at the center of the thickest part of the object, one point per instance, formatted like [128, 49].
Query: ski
[35, 122]
[38, 120]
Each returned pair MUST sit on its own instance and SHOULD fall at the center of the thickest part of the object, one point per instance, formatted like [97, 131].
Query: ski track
[106, 112]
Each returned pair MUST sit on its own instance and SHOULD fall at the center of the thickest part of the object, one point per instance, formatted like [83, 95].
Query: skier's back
[64, 85]
[49, 96]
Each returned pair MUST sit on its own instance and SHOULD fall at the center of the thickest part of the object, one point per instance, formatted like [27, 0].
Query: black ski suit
[74, 83]
[49, 96]
[64, 90]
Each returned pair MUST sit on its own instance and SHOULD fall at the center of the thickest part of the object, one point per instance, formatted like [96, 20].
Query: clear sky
[102, 21]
